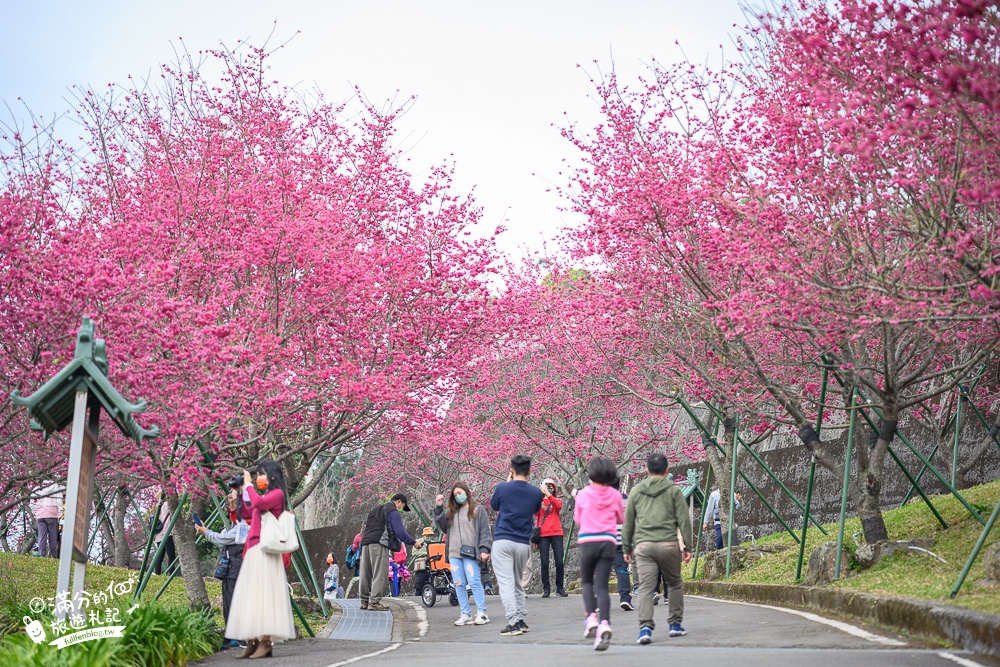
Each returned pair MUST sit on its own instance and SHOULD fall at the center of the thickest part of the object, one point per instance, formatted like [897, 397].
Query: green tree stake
[312, 572]
[159, 551]
[847, 477]
[805, 520]
[976, 549]
[704, 506]
[298, 612]
[958, 430]
[732, 498]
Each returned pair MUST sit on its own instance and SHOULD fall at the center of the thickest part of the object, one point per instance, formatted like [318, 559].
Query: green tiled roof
[689, 485]
[51, 407]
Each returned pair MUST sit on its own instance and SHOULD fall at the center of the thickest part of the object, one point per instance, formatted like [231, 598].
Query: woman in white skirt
[261, 611]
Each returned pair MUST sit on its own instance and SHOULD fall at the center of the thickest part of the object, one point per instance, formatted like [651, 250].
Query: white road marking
[359, 658]
[839, 625]
[423, 624]
[965, 662]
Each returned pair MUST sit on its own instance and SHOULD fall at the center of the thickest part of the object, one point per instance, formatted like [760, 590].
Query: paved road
[718, 631]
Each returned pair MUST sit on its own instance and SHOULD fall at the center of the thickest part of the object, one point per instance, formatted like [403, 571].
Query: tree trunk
[123, 554]
[870, 476]
[110, 538]
[194, 584]
[722, 470]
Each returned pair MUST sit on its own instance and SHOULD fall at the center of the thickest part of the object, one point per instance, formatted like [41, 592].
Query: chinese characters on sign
[84, 617]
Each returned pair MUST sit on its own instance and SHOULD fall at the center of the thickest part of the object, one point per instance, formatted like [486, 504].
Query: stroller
[432, 574]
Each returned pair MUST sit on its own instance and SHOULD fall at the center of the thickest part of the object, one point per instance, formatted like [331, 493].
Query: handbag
[222, 567]
[278, 536]
[466, 550]
[536, 533]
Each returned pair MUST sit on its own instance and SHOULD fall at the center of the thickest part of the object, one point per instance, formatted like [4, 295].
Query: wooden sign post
[75, 395]
[79, 496]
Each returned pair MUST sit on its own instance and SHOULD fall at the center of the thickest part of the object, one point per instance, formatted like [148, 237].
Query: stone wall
[321, 541]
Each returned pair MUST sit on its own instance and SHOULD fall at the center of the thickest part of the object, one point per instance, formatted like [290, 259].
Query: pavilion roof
[52, 406]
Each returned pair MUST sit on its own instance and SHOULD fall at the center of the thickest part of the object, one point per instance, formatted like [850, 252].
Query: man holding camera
[516, 503]
[230, 541]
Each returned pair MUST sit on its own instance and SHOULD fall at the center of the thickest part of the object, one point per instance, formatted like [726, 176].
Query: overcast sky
[493, 81]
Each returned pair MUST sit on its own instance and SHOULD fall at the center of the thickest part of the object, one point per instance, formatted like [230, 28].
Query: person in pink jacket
[599, 510]
[46, 503]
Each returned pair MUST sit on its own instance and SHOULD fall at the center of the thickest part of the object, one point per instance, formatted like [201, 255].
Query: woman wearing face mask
[261, 610]
[552, 536]
[469, 541]
[331, 579]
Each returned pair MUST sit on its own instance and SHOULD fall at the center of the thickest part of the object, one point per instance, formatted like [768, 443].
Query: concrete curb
[972, 630]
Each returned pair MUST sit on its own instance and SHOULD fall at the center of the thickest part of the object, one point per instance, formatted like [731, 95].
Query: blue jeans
[466, 571]
[718, 536]
[624, 580]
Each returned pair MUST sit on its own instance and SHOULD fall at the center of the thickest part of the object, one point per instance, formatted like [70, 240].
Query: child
[598, 512]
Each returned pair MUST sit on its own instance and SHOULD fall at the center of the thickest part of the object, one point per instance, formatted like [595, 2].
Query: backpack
[393, 542]
[352, 558]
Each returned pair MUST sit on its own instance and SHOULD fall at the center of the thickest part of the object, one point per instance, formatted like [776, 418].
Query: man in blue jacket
[516, 502]
[380, 537]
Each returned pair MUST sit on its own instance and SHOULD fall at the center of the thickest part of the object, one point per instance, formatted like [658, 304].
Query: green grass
[25, 577]
[910, 574]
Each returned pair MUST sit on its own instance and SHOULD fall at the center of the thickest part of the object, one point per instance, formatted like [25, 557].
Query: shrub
[154, 636]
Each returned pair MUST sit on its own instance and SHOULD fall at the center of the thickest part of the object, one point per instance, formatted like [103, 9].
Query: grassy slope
[25, 577]
[911, 574]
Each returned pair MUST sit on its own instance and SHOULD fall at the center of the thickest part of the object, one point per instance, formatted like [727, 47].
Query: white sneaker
[464, 620]
[603, 638]
[590, 626]
[481, 619]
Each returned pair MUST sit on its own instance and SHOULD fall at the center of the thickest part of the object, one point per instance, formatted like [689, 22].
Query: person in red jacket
[261, 612]
[552, 536]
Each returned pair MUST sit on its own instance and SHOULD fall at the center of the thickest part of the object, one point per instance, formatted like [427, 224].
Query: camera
[235, 482]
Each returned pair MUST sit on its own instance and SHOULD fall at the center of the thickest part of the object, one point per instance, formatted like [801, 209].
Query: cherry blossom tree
[766, 221]
[266, 273]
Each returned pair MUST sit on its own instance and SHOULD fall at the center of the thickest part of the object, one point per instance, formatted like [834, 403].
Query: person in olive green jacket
[655, 512]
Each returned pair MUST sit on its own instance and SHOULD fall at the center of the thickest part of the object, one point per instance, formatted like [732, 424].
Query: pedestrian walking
[231, 542]
[598, 512]
[261, 611]
[620, 566]
[516, 502]
[653, 515]
[381, 536]
[46, 505]
[550, 528]
[468, 542]
[712, 511]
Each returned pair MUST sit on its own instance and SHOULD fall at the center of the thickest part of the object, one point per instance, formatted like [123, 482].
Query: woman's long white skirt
[261, 605]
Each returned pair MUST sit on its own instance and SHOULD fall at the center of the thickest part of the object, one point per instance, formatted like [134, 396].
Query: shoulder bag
[278, 536]
[465, 550]
[536, 534]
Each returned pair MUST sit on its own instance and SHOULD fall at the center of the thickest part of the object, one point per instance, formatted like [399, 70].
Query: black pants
[624, 580]
[596, 560]
[168, 556]
[228, 586]
[556, 542]
[48, 537]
